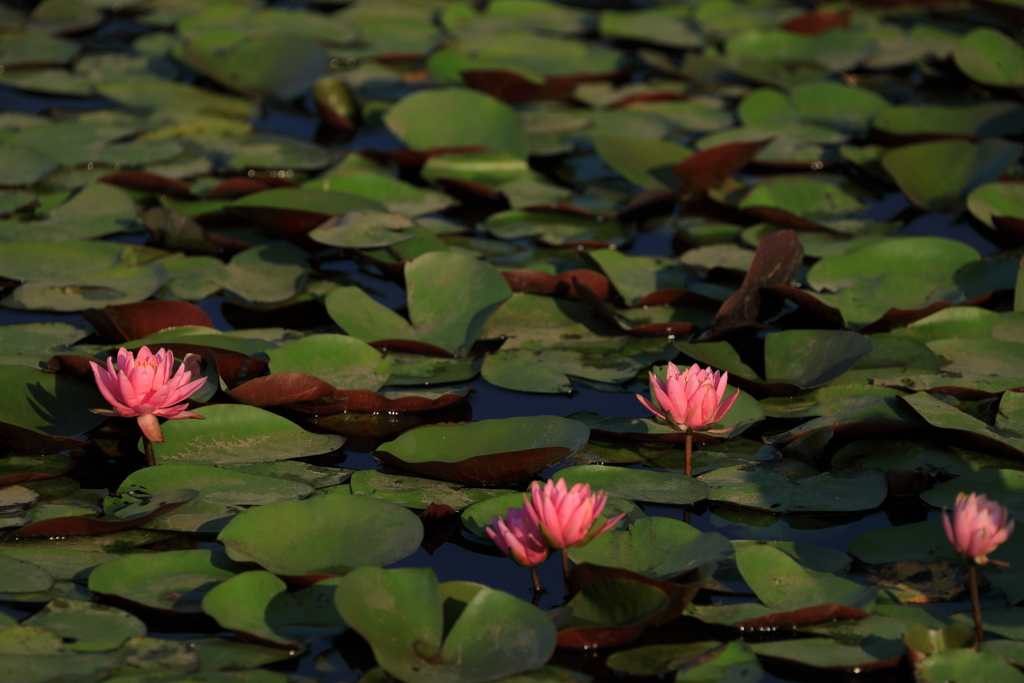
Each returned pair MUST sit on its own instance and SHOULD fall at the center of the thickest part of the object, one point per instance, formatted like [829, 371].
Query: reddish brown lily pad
[807, 616]
[509, 86]
[778, 257]
[813, 23]
[562, 285]
[282, 389]
[138, 320]
[149, 182]
[711, 167]
[492, 469]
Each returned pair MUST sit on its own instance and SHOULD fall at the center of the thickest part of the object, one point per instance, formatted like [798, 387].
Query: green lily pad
[258, 604]
[458, 632]
[805, 197]
[911, 455]
[996, 199]
[275, 65]
[762, 488]
[172, 581]
[610, 611]
[322, 535]
[1006, 438]
[419, 493]
[238, 434]
[871, 642]
[930, 258]
[23, 577]
[781, 582]
[396, 195]
[265, 274]
[966, 665]
[62, 564]
[647, 163]
[491, 452]
[42, 412]
[345, 362]
[648, 486]
[112, 287]
[991, 57]
[458, 117]
[217, 487]
[448, 312]
[87, 626]
[965, 166]
[658, 547]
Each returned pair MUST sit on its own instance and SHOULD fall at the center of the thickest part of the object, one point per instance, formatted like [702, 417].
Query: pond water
[361, 210]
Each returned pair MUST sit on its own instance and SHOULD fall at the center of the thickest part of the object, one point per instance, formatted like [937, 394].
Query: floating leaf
[965, 165]
[172, 581]
[491, 452]
[323, 535]
[991, 57]
[238, 434]
[345, 362]
[670, 488]
[457, 631]
[658, 547]
[450, 296]
[274, 65]
[458, 118]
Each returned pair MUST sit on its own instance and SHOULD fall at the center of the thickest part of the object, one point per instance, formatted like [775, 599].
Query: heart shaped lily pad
[323, 535]
[492, 452]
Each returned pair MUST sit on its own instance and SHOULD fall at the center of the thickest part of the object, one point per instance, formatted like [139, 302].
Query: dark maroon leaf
[282, 389]
[411, 346]
[72, 364]
[492, 469]
[711, 167]
[509, 86]
[785, 219]
[233, 188]
[31, 442]
[806, 616]
[778, 257]
[813, 23]
[367, 431]
[562, 285]
[149, 182]
[135, 321]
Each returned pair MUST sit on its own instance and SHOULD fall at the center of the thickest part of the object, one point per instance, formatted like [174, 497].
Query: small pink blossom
[566, 516]
[519, 538]
[143, 388]
[691, 399]
[979, 526]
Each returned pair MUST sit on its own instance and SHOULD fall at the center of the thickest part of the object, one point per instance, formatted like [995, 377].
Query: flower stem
[689, 452]
[150, 459]
[537, 588]
[979, 631]
[565, 570]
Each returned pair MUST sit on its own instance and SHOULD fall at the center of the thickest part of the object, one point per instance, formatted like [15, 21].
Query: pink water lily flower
[567, 517]
[978, 527]
[519, 538]
[142, 387]
[693, 399]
